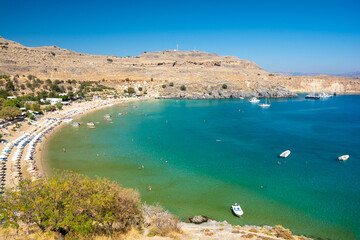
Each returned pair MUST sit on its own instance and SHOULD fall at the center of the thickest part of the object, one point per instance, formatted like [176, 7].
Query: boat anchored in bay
[237, 210]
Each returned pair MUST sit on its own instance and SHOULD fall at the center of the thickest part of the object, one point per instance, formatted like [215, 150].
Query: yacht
[266, 104]
[254, 100]
[312, 96]
[237, 210]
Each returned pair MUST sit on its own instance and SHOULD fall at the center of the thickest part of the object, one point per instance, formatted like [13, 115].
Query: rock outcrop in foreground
[163, 73]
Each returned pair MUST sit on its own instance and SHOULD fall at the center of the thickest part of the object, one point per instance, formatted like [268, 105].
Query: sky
[280, 36]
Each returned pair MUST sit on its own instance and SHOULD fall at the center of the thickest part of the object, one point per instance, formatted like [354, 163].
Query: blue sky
[296, 36]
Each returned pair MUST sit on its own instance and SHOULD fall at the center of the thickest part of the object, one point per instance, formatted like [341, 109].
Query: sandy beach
[45, 127]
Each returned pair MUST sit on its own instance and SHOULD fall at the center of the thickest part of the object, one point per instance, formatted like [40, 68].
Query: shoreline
[41, 157]
[73, 111]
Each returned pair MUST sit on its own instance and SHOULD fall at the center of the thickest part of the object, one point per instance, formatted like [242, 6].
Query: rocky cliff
[204, 75]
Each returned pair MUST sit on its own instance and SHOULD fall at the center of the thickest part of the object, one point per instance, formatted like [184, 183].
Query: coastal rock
[198, 219]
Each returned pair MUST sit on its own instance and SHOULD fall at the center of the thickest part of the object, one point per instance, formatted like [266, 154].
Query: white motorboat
[90, 123]
[343, 157]
[237, 210]
[75, 124]
[285, 154]
[324, 95]
[254, 100]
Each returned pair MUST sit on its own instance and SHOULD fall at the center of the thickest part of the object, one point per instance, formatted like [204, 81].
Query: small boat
[324, 95]
[285, 154]
[343, 157]
[90, 123]
[237, 210]
[266, 104]
[107, 116]
[75, 124]
[68, 120]
[254, 100]
[92, 127]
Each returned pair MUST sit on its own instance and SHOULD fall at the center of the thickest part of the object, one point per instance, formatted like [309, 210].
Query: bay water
[202, 156]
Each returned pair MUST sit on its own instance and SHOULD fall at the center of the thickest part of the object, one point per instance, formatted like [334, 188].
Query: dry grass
[160, 221]
[282, 232]
[249, 235]
[253, 230]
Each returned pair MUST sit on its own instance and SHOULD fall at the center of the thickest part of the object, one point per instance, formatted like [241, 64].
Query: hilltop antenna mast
[177, 47]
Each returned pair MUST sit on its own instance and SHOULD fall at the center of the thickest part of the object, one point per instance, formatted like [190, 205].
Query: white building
[62, 94]
[53, 101]
[11, 97]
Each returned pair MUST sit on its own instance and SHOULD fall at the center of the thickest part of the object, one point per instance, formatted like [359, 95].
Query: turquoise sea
[310, 192]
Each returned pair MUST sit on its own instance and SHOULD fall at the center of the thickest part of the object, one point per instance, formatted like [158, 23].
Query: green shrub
[72, 205]
[109, 60]
[9, 86]
[163, 86]
[131, 90]
[224, 86]
[171, 84]
[10, 112]
[140, 89]
[183, 88]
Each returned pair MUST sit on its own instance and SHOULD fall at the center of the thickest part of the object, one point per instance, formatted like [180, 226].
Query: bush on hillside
[160, 221]
[182, 88]
[71, 205]
[10, 112]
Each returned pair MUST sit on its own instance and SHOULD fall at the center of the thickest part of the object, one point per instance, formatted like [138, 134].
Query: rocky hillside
[204, 75]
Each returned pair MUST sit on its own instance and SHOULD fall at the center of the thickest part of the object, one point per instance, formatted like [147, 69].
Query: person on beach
[64, 150]
[149, 188]
[97, 155]
[104, 154]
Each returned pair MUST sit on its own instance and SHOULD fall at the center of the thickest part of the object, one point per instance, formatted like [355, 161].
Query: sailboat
[266, 104]
[312, 96]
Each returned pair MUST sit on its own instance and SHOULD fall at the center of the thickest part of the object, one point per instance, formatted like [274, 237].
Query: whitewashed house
[53, 101]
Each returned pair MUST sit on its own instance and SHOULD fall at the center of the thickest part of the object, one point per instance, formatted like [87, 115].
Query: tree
[224, 86]
[69, 88]
[58, 105]
[131, 90]
[70, 95]
[10, 112]
[71, 204]
[12, 103]
[48, 82]
[183, 88]
[9, 86]
[3, 93]
[36, 107]
[22, 86]
[31, 77]
[171, 84]
[163, 86]
[140, 89]
[2, 101]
